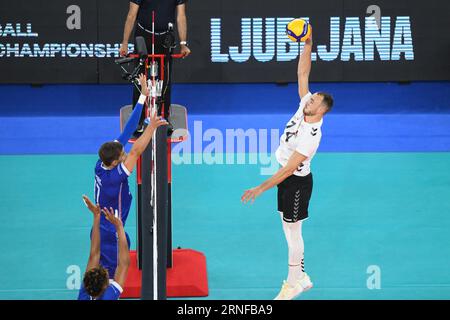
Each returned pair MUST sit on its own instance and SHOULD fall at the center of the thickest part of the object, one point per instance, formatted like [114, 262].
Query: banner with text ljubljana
[232, 41]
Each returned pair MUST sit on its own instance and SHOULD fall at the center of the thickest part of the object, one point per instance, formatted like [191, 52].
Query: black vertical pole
[169, 224]
[146, 213]
[154, 272]
[167, 102]
[162, 209]
[139, 225]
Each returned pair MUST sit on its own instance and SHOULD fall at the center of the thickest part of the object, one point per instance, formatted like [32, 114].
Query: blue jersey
[112, 190]
[111, 293]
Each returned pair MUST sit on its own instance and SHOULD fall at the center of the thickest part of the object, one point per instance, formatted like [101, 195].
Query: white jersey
[300, 136]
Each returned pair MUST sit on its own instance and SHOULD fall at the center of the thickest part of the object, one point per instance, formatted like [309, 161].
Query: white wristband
[142, 99]
[183, 43]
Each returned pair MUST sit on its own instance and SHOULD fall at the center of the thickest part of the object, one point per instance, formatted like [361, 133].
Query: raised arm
[142, 142]
[182, 29]
[284, 172]
[304, 68]
[94, 254]
[124, 255]
[133, 121]
[129, 25]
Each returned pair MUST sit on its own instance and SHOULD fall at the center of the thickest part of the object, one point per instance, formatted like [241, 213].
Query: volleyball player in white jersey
[298, 145]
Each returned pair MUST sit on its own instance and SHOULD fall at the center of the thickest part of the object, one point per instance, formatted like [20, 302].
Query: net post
[169, 206]
[146, 225]
[162, 204]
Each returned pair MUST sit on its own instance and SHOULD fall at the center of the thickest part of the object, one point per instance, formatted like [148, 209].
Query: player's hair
[327, 100]
[110, 151]
[95, 281]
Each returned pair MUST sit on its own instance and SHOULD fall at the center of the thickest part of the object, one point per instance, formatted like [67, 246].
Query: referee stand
[156, 270]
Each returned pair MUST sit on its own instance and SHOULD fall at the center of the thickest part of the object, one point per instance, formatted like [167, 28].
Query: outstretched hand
[156, 121]
[111, 217]
[251, 194]
[95, 209]
[143, 82]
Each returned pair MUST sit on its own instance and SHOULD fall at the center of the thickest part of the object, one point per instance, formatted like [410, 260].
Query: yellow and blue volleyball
[298, 30]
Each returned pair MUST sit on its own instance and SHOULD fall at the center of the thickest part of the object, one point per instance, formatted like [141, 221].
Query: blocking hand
[95, 209]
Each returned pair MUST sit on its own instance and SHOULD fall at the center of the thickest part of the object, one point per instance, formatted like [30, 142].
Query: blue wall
[105, 100]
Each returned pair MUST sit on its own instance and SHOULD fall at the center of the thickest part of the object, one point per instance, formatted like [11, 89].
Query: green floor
[390, 210]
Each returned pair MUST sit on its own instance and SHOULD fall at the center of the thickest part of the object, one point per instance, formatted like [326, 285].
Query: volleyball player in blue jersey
[111, 177]
[97, 284]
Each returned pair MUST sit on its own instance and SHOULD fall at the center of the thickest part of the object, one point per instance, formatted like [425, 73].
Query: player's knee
[293, 225]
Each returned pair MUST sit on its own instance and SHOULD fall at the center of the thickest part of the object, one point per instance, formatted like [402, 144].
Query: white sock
[295, 273]
[293, 233]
